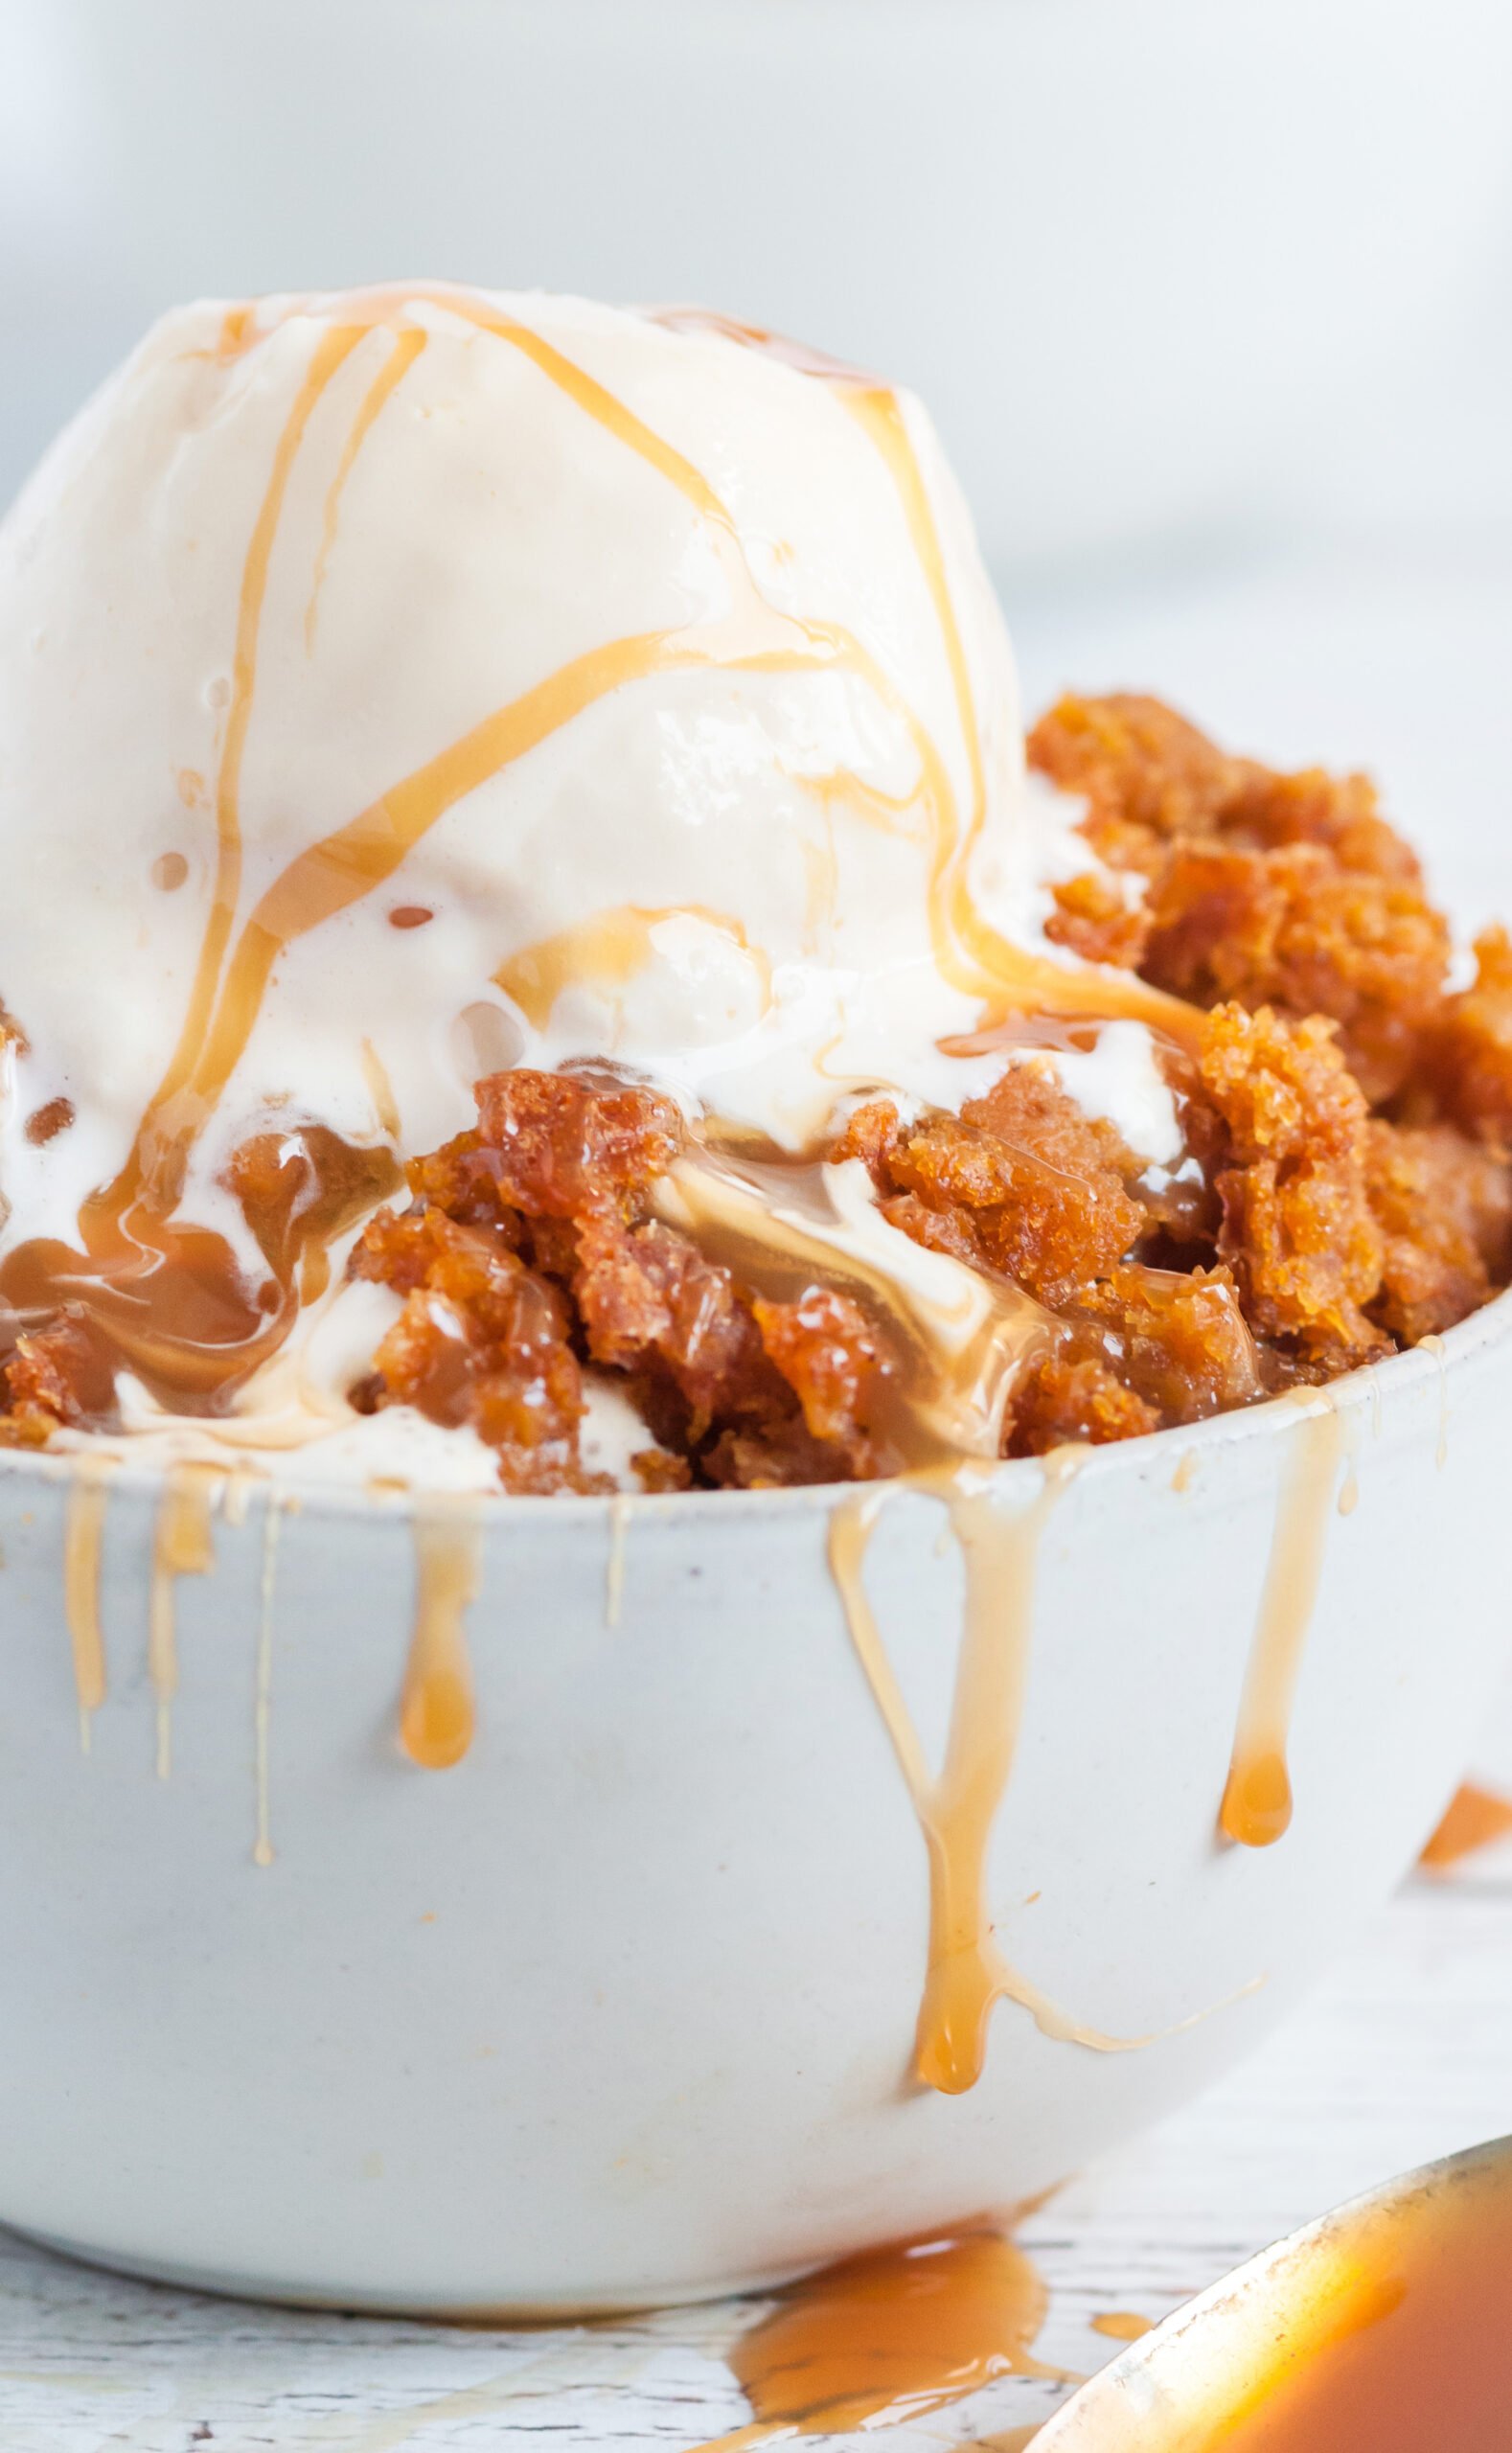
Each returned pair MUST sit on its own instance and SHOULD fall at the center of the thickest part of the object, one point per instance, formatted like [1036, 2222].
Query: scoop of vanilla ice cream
[506, 680]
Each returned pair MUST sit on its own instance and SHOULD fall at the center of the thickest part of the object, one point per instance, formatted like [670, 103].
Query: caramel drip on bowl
[262, 1700]
[968, 1972]
[1257, 1800]
[183, 1543]
[83, 1532]
[436, 1710]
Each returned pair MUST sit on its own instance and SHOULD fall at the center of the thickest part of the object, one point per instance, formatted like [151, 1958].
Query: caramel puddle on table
[436, 1712]
[263, 1701]
[888, 2336]
[1121, 2325]
[183, 1543]
[1257, 1799]
[83, 1530]
[1474, 1820]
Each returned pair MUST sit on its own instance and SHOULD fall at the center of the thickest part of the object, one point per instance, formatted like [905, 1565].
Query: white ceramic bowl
[621, 2009]
[1150, 261]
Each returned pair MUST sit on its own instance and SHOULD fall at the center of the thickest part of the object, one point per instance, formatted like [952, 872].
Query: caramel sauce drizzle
[968, 1972]
[380, 1091]
[960, 1351]
[170, 1299]
[1436, 1347]
[614, 1564]
[83, 1531]
[1257, 1800]
[436, 1710]
[262, 1703]
[607, 951]
[400, 359]
[183, 1543]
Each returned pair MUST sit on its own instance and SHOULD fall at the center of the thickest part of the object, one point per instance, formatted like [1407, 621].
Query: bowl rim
[1369, 1384]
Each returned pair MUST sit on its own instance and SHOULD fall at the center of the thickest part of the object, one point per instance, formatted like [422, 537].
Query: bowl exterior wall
[622, 2007]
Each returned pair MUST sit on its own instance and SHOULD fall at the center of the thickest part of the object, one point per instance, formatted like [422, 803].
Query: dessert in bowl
[702, 1373]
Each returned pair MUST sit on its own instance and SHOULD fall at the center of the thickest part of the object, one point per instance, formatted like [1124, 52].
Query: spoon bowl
[1380, 2327]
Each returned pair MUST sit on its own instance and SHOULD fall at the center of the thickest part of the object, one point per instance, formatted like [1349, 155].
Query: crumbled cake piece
[1270, 889]
[1444, 1207]
[1021, 1181]
[1469, 1063]
[1298, 1228]
[1345, 1187]
[534, 1232]
[50, 1382]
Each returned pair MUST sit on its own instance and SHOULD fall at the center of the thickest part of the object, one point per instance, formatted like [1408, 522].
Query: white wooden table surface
[1407, 2053]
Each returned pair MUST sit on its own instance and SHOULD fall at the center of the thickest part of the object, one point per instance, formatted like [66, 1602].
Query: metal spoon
[1216, 2361]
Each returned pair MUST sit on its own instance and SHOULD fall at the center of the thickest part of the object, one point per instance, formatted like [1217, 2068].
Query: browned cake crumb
[1346, 1187]
[1469, 1061]
[1020, 1182]
[533, 1230]
[1285, 890]
[1444, 1207]
[1298, 1228]
[47, 1385]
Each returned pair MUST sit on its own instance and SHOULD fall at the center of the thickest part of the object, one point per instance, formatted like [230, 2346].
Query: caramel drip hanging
[183, 1543]
[83, 1530]
[614, 1566]
[436, 1710]
[968, 1972]
[1257, 1800]
[1436, 1347]
[262, 1701]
